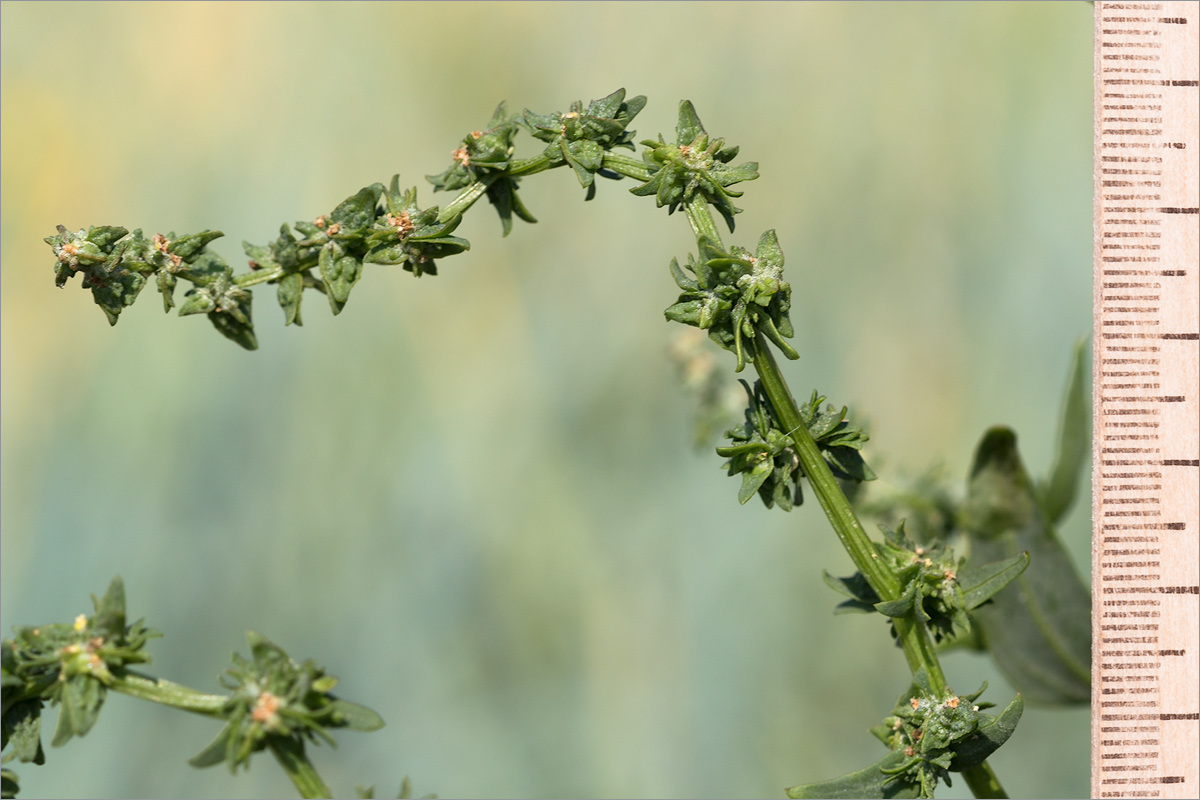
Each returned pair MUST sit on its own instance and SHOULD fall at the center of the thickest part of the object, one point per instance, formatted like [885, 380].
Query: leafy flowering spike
[764, 455]
[695, 164]
[581, 136]
[409, 235]
[732, 294]
[276, 699]
[115, 264]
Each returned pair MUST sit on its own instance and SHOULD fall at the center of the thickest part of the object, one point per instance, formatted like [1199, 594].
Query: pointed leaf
[1038, 629]
[109, 620]
[215, 752]
[1057, 493]
[290, 293]
[23, 729]
[980, 583]
[689, 127]
[988, 737]
[870, 782]
[356, 717]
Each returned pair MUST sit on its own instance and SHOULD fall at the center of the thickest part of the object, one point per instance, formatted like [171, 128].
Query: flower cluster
[936, 735]
[69, 665]
[939, 590]
[276, 699]
[696, 164]
[765, 456]
[581, 136]
[734, 294]
[484, 160]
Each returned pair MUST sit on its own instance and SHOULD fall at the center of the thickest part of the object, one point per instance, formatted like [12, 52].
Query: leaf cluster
[939, 590]
[69, 665]
[274, 698]
[696, 165]
[731, 294]
[766, 458]
[930, 735]
[580, 137]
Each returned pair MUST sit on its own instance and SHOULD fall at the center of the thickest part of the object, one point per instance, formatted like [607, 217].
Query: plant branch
[626, 165]
[164, 692]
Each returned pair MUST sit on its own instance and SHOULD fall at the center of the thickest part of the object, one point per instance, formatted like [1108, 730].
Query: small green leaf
[355, 717]
[166, 286]
[79, 706]
[753, 480]
[290, 293]
[988, 737]
[109, 620]
[1039, 628]
[215, 752]
[980, 583]
[340, 271]
[190, 246]
[903, 606]
[1057, 493]
[357, 212]
[23, 729]
[870, 782]
[196, 301]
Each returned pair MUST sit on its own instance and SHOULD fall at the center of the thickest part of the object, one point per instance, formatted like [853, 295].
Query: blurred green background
[474, 497]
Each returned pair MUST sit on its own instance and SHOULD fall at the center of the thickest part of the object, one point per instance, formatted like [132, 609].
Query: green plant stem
[259, 276]
[701, 219]
[290, 755]
[627, 165]
[521, 167]
[166, 693]
[983, 781]
[464, 200]
[833, 501]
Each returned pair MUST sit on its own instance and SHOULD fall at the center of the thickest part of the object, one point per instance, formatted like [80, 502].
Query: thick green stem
[290, 755]
[701, 219]
[628, 166]
[166, 693]
[833, 502]
[983, 781]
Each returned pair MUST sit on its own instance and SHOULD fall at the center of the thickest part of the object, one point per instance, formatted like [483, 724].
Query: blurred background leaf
[496, 531]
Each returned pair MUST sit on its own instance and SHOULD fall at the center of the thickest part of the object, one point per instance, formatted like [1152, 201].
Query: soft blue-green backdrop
[474, 497]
